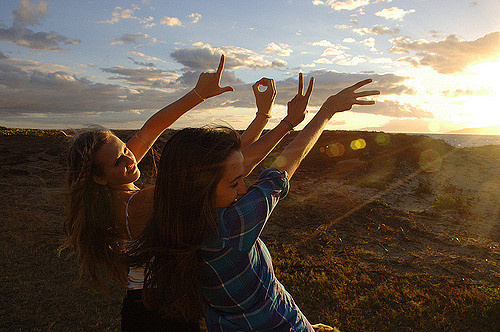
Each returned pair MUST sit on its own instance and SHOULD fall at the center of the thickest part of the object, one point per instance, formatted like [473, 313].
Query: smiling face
[117, 163]
[231, 185]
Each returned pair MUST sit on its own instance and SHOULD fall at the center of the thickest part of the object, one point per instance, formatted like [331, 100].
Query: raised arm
[208, 86]
[257, 151]
[264, 101]
[298, 149]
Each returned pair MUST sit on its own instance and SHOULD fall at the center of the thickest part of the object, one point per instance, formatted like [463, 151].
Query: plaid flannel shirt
[236, 270]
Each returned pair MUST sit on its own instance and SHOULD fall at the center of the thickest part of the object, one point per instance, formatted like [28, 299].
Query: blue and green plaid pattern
[236, 270]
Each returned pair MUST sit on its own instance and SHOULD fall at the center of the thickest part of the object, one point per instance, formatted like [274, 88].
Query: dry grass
[350, 258]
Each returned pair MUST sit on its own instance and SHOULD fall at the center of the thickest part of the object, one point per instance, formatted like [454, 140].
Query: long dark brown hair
[89, 226]
[183, 219]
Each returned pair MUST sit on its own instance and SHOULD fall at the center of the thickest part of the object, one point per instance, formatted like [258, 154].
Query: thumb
[226, 89]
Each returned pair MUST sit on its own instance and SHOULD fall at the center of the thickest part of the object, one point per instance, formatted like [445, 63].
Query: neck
[123, 187]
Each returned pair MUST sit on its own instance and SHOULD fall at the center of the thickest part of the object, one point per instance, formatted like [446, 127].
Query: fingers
[367, 93]
[310, 88]
[360, 84]
[221, 66]
[301, 84]
[364, 102]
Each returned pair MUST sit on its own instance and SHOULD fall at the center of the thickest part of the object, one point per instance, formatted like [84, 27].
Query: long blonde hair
[89, 227]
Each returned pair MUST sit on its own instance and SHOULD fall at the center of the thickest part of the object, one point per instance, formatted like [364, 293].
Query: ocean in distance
[463, 141]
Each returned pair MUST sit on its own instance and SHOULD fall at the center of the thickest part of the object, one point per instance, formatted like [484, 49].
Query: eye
[234, 185]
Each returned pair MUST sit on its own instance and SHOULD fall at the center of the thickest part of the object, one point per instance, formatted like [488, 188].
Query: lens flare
[280, 161]
[358, 144]
[335, 150]
[430, 161]
[382, 139]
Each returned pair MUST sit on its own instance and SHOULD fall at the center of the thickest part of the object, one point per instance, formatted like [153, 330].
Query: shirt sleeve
[242, 222]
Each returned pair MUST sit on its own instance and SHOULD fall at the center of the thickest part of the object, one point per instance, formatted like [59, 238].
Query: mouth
[132, 168]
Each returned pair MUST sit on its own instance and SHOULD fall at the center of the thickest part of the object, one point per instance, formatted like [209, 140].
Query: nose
[242, 188]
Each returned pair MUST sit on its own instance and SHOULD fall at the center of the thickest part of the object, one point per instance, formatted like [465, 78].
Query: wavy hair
[89, 227]
[183, 219]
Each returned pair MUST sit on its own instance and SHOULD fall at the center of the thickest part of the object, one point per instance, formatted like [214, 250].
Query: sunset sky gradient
[70, 64]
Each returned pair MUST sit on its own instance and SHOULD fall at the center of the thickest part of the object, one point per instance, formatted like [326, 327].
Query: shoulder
[140, 205]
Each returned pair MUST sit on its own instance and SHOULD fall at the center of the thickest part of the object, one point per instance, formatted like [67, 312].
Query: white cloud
[394, 13]
[369, 42]
[195, 17]
[349, 40]
[171, 21]
[28, 14]
[342, 5]
[120, 13]
[135, 38]
[205, 57]
[280, 49]
[450, 55]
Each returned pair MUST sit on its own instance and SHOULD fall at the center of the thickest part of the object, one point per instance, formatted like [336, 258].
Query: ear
[99, 180]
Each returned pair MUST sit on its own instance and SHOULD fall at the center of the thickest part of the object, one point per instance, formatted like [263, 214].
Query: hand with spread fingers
[208, 84]
[296, 108]
[264, 99]
[345, 99]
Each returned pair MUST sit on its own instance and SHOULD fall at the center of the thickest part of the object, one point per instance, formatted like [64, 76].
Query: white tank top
[135, 275]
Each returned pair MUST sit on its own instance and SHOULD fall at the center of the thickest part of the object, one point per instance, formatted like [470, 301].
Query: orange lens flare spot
[335, 150]
[430, 161]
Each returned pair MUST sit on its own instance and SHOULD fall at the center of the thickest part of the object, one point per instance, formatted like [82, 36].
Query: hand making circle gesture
[264, 99]
[208, 84]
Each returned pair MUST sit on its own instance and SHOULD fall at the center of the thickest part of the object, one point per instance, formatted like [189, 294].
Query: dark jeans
[136, 317]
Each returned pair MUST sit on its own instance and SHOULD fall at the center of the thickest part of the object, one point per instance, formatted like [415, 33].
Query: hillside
[401, 233]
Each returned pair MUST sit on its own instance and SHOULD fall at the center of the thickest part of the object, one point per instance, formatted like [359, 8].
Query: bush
[452, 202]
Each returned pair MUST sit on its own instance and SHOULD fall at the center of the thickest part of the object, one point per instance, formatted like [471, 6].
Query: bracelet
[202, 99]
[288, 123]
[143, 141]
[328, 110]
[264, 114]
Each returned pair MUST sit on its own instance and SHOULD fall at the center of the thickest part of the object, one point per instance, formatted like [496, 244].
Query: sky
[75, 63]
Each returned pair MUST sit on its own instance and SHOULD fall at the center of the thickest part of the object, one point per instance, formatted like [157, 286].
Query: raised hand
[296, 108]
[264, 99]
[208, 84]
[345, 99]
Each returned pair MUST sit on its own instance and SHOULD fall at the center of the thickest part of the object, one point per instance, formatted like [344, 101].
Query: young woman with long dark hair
[105, 209]
[201, 248]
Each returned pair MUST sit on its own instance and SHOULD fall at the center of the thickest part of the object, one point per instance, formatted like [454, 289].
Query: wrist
[288, 124]
[197, 95]
[263, 115]
[328, 110]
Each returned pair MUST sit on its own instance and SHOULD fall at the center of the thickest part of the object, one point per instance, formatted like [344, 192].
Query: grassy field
[365, 248]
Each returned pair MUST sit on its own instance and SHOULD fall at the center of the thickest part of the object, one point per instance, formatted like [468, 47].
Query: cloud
[205, 57]
[376, 30]
[28, 14]
[369, 42]
[394, 13]
[143, 77]
[467, 92]
[451, 55]
[120, 13]
[171, 21]
[195, 17]
[280, 49]
[136, 38]
[342, 5]
[415, 126]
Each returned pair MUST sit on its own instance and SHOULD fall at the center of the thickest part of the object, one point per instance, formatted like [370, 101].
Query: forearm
[291, 157]
[140, 143]
[254, 130]
[257, 151]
